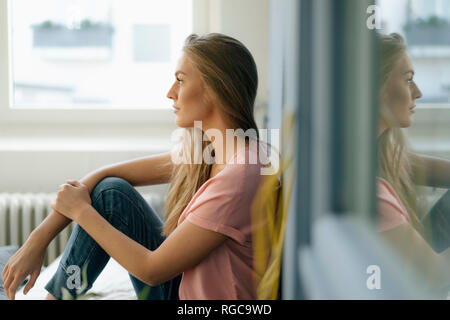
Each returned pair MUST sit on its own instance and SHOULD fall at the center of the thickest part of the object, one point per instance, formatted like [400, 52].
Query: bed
[112, 284]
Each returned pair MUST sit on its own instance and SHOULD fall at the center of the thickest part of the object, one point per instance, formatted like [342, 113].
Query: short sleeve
[391, 211]
[224, 206]
[389, 216]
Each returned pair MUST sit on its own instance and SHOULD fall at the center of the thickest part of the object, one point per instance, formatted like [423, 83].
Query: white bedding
[113, 284]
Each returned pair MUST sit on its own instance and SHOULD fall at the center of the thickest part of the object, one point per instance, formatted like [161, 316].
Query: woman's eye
[179, 80]
[409, 80]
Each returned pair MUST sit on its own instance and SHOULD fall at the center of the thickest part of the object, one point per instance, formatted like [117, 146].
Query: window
[72, 61]
[107, 53]
[330, 244]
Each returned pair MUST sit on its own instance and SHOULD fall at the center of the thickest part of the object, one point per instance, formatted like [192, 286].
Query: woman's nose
[418, 93]
[171, 94]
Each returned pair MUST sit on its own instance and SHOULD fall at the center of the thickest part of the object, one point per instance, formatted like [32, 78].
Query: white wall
[39, 157]
[30, 163]
[248, 21]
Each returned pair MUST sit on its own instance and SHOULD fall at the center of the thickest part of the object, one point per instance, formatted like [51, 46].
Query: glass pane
[96, 54]
[420, 184]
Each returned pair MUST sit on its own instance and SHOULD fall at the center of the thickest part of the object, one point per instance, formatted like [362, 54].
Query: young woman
[204, 248]
[399, 170]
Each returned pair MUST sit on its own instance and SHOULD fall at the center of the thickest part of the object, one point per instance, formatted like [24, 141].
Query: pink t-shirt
[223, 204]
[392, 212]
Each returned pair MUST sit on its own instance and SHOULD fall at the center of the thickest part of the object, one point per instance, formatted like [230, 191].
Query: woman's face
[191, 99]
[401, 92]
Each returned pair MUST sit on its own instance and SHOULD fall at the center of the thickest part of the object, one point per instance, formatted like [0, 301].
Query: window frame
[83, 115]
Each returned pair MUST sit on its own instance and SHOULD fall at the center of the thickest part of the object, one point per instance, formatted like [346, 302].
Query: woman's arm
[28, 259]
[431, 171]
[55, 222]
[152, 267]
[183, 249]
[144, 171]
[138, 172]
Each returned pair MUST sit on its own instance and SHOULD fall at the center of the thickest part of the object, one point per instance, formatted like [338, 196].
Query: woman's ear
[387, 117]
[211, 101]
[209, 97]
[384, 112]
[382, 97]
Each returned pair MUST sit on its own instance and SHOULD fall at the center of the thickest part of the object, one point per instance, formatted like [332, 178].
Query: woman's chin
[408, 123]
[183, 124]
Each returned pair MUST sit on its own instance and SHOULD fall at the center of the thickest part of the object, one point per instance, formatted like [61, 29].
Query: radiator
[20, 213]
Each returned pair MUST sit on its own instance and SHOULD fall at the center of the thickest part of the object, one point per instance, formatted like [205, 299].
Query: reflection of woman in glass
[399, 170]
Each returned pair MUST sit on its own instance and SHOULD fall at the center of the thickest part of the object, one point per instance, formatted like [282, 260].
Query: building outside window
[426, 27]
[103, 54]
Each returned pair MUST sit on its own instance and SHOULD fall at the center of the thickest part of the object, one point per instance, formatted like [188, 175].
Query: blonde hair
[394, 162]
[229, 72]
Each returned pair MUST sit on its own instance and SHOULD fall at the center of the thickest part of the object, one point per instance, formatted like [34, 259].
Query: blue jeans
[437, 224]
[125, 209]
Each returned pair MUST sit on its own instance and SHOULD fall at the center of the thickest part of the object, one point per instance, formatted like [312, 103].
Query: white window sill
[38, 158]
[433, 106]
[86, 138]
[432, 147]
[117, 144]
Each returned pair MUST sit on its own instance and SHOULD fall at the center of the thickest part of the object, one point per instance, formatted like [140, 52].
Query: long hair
[394, 162]
[229, 71]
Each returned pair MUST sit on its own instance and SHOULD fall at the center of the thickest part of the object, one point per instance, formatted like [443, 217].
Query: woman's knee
[109, 183]
[110, 197]
[122, 205]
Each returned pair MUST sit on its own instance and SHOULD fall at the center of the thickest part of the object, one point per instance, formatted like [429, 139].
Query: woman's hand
[72, 199]
[26, 261]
